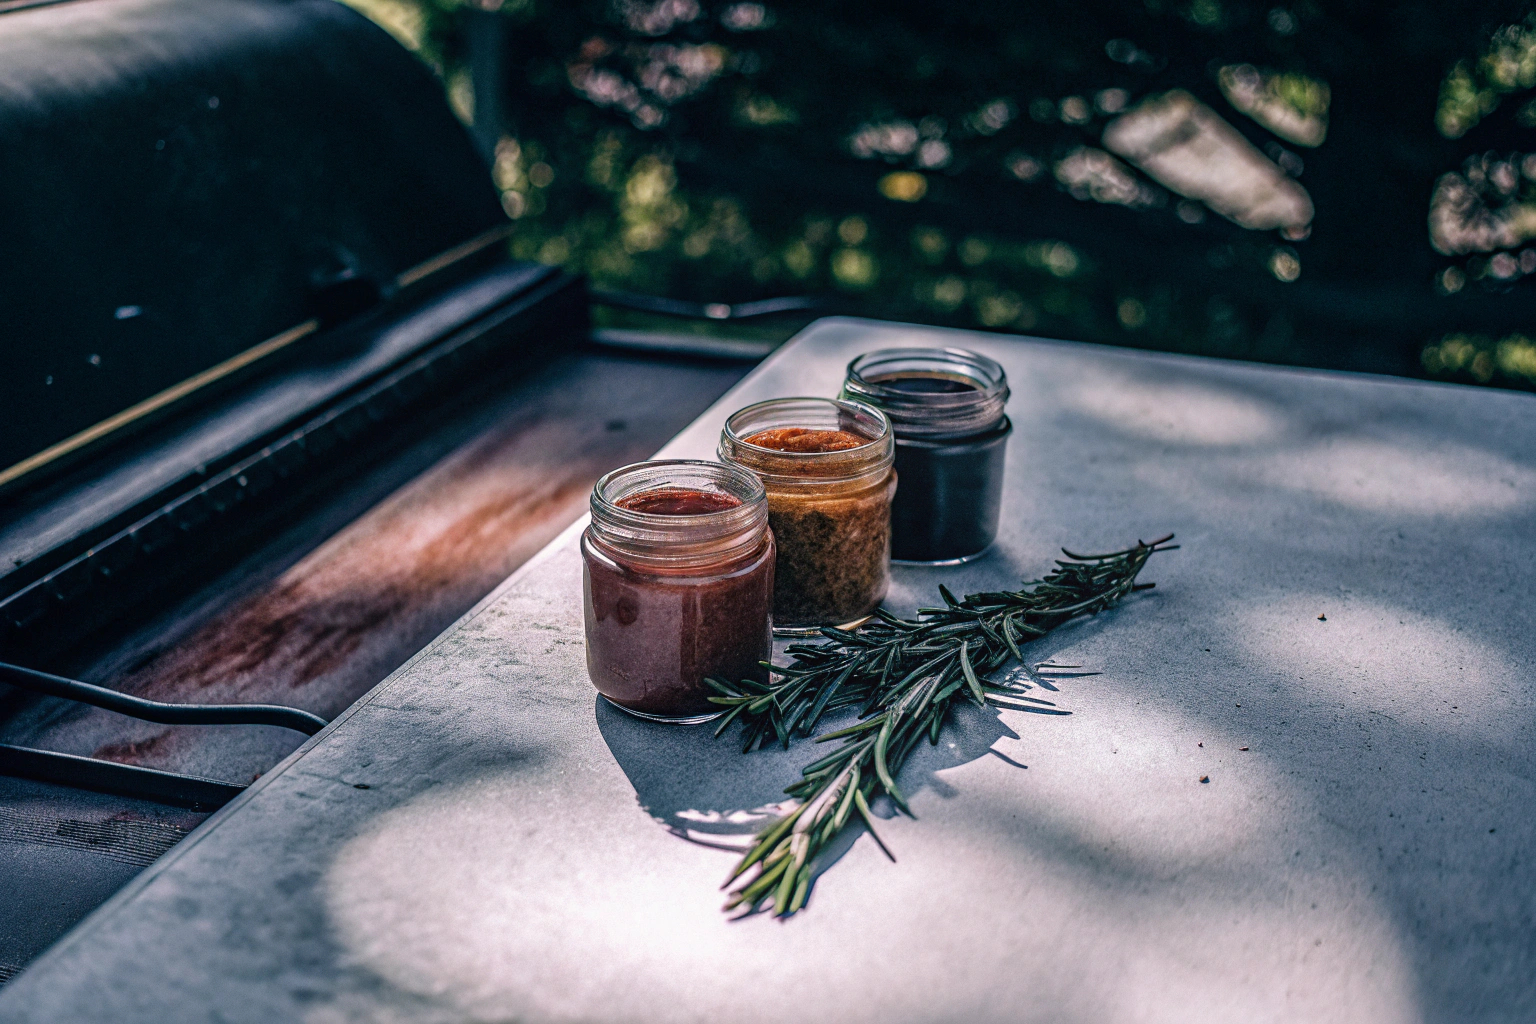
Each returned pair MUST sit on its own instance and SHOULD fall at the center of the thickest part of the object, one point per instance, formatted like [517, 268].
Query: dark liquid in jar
[951, 495]
[951, 486]
[926, 383]
[678, 501]
[804, 439]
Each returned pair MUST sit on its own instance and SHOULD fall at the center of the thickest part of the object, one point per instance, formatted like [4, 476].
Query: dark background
[722, 152]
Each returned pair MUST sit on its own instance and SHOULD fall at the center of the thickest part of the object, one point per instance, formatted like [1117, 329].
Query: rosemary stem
[903, 675]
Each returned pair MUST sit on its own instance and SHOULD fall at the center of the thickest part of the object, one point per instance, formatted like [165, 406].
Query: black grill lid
[185, 179]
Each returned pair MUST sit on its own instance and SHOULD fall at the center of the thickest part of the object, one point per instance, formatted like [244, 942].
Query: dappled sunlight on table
[1184, 411]
[1404, 477]
[1379, 658]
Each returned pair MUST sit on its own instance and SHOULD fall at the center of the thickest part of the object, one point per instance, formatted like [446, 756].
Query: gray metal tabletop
[1343, 647]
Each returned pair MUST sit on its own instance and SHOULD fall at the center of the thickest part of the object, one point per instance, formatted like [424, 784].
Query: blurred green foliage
[947, 165]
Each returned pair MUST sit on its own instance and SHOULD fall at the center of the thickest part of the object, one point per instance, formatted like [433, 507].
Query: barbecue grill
[256, 298]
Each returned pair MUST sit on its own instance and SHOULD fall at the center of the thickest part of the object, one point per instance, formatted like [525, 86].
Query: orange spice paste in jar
[826, 467]
[801, 439]
[678, 585]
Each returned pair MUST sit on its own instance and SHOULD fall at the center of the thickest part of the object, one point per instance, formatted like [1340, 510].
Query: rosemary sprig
[904, 676]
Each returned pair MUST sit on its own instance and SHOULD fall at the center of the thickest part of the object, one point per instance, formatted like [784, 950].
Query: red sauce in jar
[804, 439]
[654, 632]
[678, 501]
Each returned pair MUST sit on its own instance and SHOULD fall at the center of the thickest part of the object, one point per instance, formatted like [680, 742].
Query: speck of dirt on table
[1205, 778]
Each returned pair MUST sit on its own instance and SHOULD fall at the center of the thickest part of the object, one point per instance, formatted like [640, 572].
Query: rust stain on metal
[367, 599]
[342, 618]
[156, 748]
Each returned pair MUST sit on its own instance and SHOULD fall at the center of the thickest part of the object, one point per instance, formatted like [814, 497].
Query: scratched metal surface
[64, 852]
[1351, 605]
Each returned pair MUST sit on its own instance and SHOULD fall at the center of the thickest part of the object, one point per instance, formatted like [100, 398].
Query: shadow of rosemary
[881, 690]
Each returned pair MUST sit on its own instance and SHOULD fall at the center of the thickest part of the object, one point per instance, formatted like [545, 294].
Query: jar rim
[881, 420]
[687, 539]
[646, 476]
[932, 413]
[871, 460]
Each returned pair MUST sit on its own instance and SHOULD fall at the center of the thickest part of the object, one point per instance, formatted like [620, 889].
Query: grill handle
[154, 711]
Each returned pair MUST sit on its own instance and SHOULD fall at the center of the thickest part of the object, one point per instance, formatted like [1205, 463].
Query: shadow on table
[704, 790]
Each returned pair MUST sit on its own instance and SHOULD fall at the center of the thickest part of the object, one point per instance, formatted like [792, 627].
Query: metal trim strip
[285, 455]
[415, 275]
[154, 403]
[444, 260]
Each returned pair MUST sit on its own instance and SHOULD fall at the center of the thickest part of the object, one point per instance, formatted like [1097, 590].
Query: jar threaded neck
[663, 540]
[891, 380]
[867, 462]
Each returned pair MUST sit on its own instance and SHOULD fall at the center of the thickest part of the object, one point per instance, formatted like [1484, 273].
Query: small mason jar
[826, 466]
[677, 585]
[946, 407]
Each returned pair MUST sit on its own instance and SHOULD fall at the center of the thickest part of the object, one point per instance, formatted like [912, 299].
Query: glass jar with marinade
[826, 468]
[678, 585]
[946, 408]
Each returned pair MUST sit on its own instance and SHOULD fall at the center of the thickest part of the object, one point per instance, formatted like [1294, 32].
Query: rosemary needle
[903, 675]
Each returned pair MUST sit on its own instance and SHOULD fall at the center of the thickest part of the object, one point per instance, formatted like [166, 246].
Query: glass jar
[677, 585]
[826, 466]
[946, 407]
